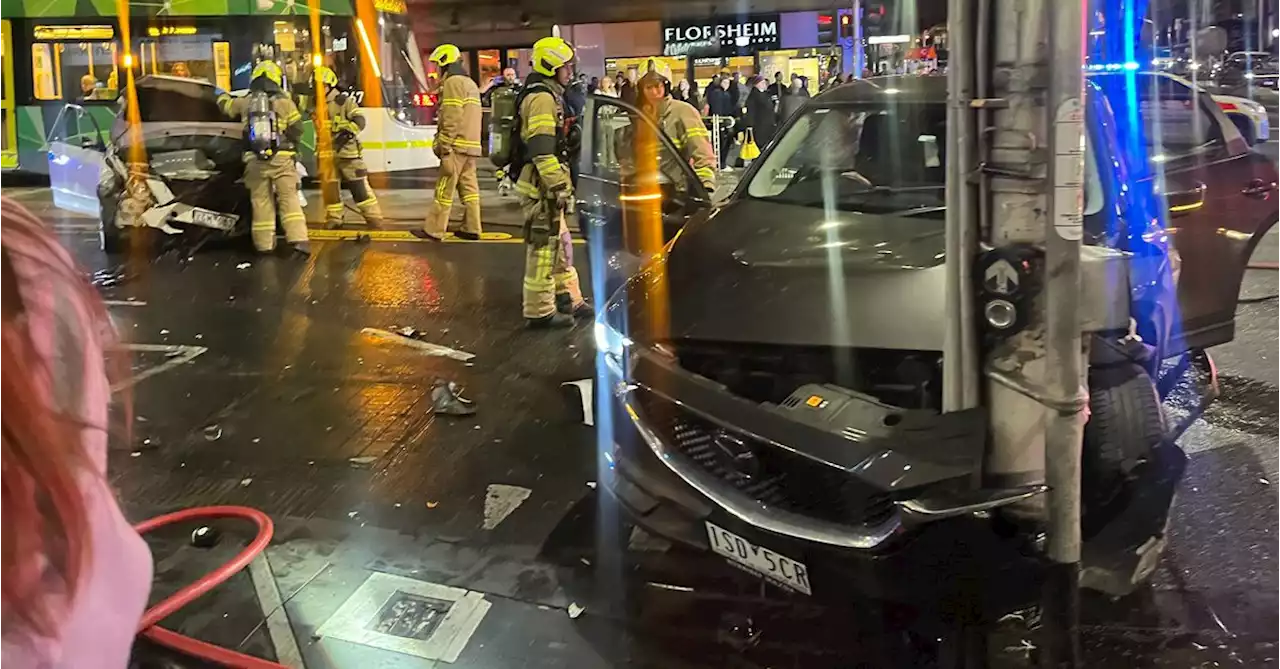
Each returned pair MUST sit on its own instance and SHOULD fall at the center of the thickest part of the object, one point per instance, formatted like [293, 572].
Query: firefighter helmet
[268, 69]
[551, 54]
[327, 76]
[445, 55]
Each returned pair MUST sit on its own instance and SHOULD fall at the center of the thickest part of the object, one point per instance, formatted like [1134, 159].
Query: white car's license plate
[780, 569]
[211, 219]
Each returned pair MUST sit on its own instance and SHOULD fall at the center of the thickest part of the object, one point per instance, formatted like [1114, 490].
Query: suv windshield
[872, 158]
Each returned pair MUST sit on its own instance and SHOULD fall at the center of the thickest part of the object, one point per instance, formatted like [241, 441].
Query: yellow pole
[326, 167]
[137, 155]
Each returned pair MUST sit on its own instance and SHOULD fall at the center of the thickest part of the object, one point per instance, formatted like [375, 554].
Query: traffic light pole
[1024, 168]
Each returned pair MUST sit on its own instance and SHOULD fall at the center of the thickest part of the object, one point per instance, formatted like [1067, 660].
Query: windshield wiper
[895, 189]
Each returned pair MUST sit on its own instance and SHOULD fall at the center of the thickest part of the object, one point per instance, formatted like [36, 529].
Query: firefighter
[680, 122]
[345, 123]
[457, 144]
[272, 128]
[552, 296]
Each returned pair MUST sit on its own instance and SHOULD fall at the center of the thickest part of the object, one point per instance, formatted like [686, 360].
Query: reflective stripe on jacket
[683, 125]
[346, 117]
[458, 119]
[541, 115]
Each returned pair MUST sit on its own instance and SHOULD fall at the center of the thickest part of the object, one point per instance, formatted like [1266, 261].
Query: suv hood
[758, 272]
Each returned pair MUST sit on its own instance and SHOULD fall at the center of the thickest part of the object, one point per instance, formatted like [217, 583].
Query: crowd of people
[735, 106]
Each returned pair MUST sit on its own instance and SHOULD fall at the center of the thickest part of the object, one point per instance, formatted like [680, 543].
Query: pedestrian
[457, 144]
[75, 576]
[795, 98]
[271, 135]
[607, 88]
[760, 116]
[552, 295]
[594, 86]
[627, 87]
[345, 123]
[687, 93]
[777, 89]
[679, 121]
[721, 105]
[741, 89]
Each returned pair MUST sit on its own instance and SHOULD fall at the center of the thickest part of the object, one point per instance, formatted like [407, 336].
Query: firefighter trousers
[457, 173]
[355, 179]
[273, 188]
[548, 261]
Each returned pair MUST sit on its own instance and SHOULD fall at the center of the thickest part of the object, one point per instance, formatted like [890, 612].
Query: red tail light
[1228, 106]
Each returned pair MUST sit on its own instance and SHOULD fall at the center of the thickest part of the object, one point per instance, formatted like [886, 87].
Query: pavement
[406, 539]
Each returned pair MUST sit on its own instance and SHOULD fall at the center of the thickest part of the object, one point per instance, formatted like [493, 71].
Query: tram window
[74, 71]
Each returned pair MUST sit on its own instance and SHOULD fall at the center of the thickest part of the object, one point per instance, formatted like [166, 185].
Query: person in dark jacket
[760, 116]
[721, 104]
[795, 98]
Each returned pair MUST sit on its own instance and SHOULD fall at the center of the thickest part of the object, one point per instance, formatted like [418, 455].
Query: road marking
[345, 235]
[278, 627]
[500, 500]
[124, 303]
[397, 236]
[424, 346]
[181, 355]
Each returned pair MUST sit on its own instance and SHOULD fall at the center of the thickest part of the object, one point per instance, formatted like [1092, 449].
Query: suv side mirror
[90, 142]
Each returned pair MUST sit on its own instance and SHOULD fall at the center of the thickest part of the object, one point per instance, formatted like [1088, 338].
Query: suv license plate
[780, 569]
[211, 219]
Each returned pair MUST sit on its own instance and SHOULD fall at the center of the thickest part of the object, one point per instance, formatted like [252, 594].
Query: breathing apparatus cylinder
[263, 139]
[502, 121]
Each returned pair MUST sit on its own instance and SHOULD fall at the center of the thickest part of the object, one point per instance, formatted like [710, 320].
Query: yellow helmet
[268, 69]
[445, 54]
[327, 76]
[551, 54]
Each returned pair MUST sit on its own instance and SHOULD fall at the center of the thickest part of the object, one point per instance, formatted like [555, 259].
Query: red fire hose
[149, 627]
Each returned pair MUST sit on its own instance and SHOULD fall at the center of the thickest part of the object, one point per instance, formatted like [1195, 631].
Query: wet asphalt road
[255, 386]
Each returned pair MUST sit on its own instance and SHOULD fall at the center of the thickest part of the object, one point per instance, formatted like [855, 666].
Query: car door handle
[1258, 188]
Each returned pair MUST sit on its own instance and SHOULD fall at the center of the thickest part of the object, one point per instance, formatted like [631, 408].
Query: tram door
[8, 126]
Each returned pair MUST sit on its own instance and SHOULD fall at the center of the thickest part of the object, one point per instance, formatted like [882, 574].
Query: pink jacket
[99, 624]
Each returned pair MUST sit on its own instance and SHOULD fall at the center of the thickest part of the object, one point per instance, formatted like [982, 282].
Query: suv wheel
[1125, 425]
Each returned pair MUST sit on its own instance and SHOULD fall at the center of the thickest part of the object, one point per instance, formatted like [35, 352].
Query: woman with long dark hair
[74, 575]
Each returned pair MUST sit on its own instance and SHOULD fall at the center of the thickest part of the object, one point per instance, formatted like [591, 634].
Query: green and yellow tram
[58, 53]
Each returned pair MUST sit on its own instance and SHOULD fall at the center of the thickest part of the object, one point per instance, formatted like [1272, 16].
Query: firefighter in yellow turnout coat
[457, 144]
[681, 123]
[345, 123]
[273, 127]
[552, 296]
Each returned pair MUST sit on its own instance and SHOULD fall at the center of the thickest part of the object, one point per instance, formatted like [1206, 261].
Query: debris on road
[244, 265]
[447, 400]
[432, 505]
[244, 482]
[135, 454]
[426, 347]
[575, 610]
[212, 433]
[363, 460]
[500, 501]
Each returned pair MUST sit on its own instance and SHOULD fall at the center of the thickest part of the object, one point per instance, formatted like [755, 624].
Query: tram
[63, 67]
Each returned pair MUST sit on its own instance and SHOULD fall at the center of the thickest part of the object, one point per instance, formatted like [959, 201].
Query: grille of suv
[773, 476]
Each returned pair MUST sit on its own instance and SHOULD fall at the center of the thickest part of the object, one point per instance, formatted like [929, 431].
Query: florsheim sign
[726, 36]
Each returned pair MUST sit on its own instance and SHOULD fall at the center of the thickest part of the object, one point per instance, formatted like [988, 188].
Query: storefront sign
[734, 35]
[73, 33]
[159, 31]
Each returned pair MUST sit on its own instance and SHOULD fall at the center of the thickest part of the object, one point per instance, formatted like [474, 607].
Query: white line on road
[264, 582]
[181, 355]
[124, 303]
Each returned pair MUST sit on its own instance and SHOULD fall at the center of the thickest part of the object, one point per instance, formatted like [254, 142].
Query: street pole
[1033, 155]
[1065, 358]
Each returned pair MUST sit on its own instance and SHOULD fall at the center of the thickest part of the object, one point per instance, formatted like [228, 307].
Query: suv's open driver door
[635, 191]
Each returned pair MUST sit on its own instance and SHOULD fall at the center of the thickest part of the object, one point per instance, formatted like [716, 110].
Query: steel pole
[1065, 362]
[959, 351]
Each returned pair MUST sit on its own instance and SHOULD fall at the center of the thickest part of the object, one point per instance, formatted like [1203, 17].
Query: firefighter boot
[564, 305]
